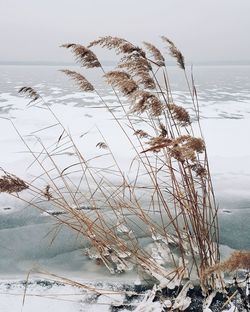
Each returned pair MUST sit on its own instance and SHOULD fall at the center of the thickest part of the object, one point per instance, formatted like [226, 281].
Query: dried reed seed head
[174, 52]
[80, 80]
[141, 134]
[135, 61]
[12, 184]
[139, 68]
[155, 106]
[160, 140]
[146, 81]
[155, 53]
[167, 40]
[144, 100]
[83, 55]
[157, 143]
[102, 145]
[30, 93]
[179, 114]
[196, 144]
[182, 153]
[183, 148]
[119, 44]
[122, 81]
[182, 139]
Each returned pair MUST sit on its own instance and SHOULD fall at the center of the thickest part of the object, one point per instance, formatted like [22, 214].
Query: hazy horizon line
[112, 63]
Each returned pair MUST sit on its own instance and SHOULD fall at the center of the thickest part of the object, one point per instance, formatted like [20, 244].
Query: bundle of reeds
[177, 211]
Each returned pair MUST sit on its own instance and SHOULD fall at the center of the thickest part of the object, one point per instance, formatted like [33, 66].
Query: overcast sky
[205, 30]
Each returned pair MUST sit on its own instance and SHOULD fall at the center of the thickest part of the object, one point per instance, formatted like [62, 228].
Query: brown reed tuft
[197, 144]
[179, 114]
[157, 143]
[146, 101]
[182, 148]
[174, 52]
[119, 44]
[30, 93]
[156, 54]
[12, 184]
[182, 153]
[80, 80]
[83, 55]
[134, 61]
[237, 260]
[139, 67]
[122, 81]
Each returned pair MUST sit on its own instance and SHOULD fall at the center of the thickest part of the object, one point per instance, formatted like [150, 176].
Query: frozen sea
[224, 96]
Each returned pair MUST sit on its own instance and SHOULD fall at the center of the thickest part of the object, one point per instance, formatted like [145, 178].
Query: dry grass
[238, 260]
[169, 197]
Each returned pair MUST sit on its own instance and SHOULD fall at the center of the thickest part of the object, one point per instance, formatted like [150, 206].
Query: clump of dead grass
[238, 260]
[169, 197]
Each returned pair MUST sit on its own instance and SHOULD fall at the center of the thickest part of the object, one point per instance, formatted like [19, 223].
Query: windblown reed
[177, 211]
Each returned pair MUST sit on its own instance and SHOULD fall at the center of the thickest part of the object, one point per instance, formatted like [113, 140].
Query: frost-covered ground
[51, 296]
[224, 94]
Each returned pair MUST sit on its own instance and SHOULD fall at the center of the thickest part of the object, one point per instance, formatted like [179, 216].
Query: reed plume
[139, 67]
[157, 143]
[122, 81]
[180, 115]
[30, 93]
[145, 101]
[185, 147]
[197, 144]
[134, 60]
[120, 45]
[155, 53]
[174, 52]
[182, 148]
[80, 80]
[83, 55]
[12, 184]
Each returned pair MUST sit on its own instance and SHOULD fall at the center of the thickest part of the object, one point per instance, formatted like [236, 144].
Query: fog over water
[206, 31]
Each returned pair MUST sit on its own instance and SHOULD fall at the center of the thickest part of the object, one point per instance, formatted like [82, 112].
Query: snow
[43, 295]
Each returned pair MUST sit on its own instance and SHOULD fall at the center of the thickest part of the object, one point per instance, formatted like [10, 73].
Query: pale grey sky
[205, 30]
